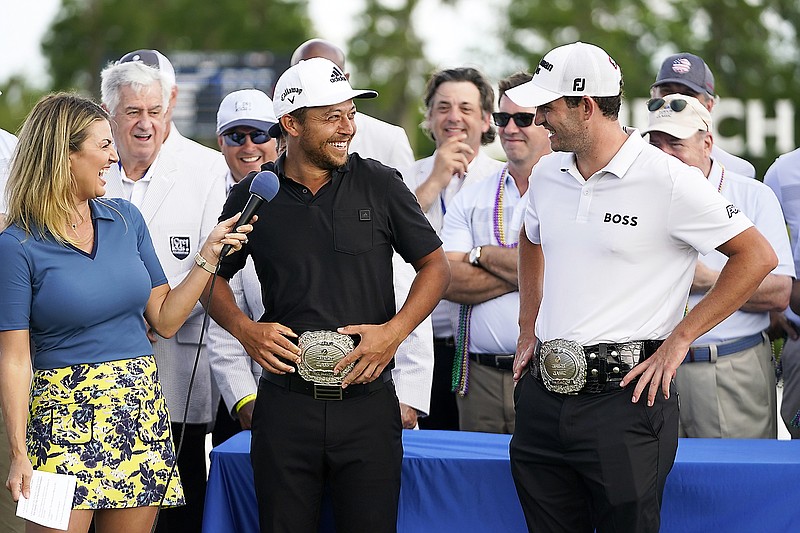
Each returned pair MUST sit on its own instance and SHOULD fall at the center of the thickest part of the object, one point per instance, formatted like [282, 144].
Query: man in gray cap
[688, 74]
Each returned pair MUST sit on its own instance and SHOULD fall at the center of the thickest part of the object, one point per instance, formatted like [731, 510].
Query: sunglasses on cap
[676, 104]
[237, 138]
[522, 120]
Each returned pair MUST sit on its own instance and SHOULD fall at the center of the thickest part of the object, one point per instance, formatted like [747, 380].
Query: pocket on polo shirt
[352, 230]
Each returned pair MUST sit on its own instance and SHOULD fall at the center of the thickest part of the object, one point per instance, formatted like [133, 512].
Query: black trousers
[225, 427]
[192, 468]
[443, 410]
[592, 460]
[299, 444]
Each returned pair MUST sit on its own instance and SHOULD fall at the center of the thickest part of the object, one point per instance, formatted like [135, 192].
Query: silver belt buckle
[562, 365]
[320, 351]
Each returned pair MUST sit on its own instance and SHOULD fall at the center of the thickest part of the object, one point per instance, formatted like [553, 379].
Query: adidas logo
[337, 76]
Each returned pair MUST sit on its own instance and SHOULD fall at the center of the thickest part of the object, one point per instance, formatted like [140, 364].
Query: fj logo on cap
[179, 246]
[578, 84]
[288, 91]
[242, 106]
[337, 75]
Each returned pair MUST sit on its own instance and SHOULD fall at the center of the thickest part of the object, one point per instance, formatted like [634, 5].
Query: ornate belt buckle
[562, 365]
[319, 353]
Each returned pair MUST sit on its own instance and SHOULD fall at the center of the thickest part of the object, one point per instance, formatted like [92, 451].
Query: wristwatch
[475, 256]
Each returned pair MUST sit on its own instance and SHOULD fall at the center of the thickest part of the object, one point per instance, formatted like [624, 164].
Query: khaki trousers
[489, 403]
[732, 397]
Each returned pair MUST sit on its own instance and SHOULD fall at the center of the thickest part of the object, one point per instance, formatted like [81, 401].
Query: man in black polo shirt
[322, 249]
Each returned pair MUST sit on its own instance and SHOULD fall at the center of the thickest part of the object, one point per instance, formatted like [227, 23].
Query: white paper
[50, 503]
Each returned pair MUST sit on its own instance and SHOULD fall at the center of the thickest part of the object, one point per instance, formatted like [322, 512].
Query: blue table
[461, 482]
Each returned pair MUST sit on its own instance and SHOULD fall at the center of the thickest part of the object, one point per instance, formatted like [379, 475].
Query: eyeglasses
[237, 138]
[522, 120]
[676, 104]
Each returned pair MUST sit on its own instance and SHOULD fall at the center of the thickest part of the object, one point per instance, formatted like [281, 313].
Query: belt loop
[712, 354]
[602, 355]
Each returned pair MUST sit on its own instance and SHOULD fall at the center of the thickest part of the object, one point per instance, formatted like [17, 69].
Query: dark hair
[609, 105]
[518, 78]
[298, 114]
[472, 76]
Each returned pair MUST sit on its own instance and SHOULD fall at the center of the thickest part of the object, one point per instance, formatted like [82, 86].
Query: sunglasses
[522, 120]
[237, 138]
[677, 104]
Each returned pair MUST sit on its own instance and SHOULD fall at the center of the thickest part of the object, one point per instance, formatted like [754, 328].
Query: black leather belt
[295, 383]
[606, 364]
[704, 353]
[502, 361]
[450, 342]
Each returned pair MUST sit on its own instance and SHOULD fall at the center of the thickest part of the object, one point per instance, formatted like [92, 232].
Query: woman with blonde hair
[80, 276]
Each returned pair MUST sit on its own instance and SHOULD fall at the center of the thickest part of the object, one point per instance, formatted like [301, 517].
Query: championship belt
[320, 351]
[562, 365]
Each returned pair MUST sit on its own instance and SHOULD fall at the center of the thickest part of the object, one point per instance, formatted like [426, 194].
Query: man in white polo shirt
[480, 235]
[727, 380]
[610, 241]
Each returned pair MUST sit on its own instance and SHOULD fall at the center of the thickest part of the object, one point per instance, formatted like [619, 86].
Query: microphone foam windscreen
[265, 185]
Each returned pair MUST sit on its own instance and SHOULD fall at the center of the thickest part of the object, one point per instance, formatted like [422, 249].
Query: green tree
[750, 45]
[385, 53]
[86, 34]
[18, 98]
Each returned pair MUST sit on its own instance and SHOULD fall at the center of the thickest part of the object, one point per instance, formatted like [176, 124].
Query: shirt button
[586, 192]
[305, 191]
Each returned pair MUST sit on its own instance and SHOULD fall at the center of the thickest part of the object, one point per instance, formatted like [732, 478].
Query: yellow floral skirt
[107, 424]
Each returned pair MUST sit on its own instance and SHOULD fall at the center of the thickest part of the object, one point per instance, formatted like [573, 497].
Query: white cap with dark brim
[577, 69]
[314, 82]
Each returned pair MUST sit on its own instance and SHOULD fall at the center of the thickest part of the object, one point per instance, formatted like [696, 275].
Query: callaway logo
[732, 210]
[288, 91]
[337, 75]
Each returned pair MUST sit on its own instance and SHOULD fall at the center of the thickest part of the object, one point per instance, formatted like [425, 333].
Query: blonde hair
[41, 189]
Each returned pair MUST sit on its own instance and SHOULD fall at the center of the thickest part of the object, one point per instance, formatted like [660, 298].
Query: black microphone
[264, 187]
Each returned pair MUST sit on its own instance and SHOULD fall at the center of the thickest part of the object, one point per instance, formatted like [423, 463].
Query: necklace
[721, 178]
[499, 225]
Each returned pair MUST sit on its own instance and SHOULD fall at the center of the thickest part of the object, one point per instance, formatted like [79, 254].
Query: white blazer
[181, 206]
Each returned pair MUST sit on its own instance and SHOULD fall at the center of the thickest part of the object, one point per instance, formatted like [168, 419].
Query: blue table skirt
[461, 482]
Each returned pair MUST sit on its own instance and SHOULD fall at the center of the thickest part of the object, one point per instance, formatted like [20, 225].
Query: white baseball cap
[577, 69]
[678, 115]
[152, 58]
[313, 82]
[248, 107]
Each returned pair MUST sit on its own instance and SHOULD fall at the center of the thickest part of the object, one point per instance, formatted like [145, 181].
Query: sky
[23, 23]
